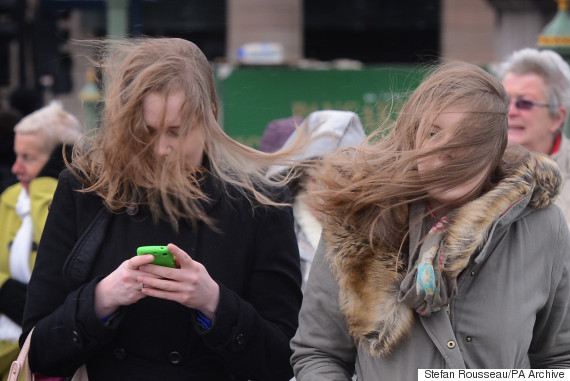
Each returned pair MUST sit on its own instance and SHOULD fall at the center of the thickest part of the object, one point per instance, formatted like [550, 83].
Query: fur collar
[369, 279]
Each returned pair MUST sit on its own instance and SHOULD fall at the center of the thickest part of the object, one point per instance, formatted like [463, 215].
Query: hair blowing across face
[368, 188]
[119, 163]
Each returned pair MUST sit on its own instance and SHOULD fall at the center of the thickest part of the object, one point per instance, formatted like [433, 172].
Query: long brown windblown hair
[119, 164]
[368, 187]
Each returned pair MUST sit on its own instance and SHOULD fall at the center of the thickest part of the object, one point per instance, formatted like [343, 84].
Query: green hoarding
[251, 97]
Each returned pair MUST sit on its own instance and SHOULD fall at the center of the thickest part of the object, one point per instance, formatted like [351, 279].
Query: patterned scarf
[426, 288]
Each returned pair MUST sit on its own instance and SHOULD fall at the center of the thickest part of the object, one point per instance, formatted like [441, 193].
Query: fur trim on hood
[369, 280]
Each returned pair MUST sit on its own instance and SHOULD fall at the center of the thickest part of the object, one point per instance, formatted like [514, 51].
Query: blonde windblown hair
[118, 163]
[52, 125]
[367, 187]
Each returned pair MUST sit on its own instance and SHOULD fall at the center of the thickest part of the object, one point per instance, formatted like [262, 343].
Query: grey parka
[512, 309]
[562, 158]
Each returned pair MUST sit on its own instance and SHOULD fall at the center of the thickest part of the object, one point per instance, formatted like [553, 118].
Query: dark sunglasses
[523, 104]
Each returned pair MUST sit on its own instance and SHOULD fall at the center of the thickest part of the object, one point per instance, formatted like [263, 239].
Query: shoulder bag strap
[79, 263]
[22, 362]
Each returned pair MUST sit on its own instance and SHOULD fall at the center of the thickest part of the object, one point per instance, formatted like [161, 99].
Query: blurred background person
[38, 144]
[329, 131]
[277, 132]
[8, 119]
[26, 100]
[538, 85]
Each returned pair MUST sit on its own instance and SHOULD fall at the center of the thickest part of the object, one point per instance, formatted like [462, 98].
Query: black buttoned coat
[253, 256]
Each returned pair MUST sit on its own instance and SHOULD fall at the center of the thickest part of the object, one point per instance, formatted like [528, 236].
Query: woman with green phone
[161, 171]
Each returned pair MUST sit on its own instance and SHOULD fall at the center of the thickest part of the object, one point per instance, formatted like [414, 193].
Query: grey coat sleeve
[550, 347]
[322, 347]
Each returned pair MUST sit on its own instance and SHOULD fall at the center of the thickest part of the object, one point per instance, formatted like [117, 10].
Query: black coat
[254, 258]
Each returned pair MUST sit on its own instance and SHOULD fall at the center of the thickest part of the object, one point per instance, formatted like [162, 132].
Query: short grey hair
[53, 125]
[547, 64]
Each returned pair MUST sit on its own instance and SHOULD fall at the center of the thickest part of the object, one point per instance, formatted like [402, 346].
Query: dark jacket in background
[8, 120]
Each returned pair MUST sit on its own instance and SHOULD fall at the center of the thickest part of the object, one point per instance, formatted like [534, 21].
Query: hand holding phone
[162, 257]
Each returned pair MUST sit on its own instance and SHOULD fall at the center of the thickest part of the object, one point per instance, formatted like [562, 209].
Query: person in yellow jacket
[38, 144]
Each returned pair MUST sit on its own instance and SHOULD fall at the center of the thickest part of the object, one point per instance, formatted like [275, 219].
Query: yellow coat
[41, 193]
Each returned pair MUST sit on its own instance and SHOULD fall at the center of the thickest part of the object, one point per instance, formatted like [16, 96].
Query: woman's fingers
[182, 258]
[190, 285]
[139, 260]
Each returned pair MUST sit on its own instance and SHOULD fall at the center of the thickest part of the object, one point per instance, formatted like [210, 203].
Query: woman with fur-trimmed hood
[441, 247]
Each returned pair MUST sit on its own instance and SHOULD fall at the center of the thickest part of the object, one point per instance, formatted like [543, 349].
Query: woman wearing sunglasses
[538, 84]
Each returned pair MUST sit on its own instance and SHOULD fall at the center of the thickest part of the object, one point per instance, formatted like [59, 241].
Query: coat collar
[211, 185]
[41, 192]
[369, 279]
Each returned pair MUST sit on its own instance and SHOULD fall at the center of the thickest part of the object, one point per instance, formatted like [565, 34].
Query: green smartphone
[162, 257]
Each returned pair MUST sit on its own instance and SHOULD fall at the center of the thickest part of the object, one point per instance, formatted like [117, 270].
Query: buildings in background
[36, 49]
